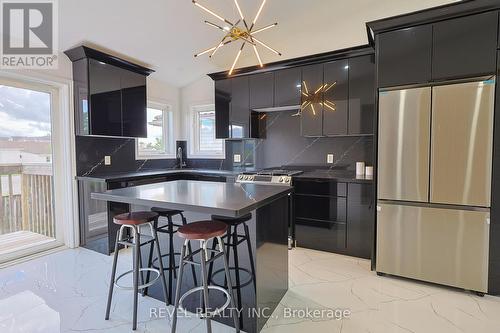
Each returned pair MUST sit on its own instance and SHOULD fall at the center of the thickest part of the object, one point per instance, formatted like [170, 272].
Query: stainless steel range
[268, 177]
[274, 177]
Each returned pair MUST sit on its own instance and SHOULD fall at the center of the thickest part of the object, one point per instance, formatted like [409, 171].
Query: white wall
[199, 92]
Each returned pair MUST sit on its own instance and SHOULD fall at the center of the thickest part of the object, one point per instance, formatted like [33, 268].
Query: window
[204, 143]
[159, 142]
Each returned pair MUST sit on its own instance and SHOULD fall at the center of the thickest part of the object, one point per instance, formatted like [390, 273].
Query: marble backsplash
[283, 146]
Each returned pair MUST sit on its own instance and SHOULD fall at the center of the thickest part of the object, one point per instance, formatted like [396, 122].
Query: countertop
[338, 175]
[227, 199]
[121, 176]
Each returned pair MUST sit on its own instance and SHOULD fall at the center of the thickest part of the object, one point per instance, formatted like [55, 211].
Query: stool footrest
[142, 286]
[207, 314]
[233, 284]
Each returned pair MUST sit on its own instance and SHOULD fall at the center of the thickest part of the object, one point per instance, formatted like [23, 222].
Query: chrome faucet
[181, 159]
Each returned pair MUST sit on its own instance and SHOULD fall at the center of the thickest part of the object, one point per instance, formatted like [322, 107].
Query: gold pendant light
[236, 31]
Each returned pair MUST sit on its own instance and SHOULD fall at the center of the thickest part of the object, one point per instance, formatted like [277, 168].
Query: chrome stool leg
[204, 279]
[178, 287]
[136, 268]
[113, 274]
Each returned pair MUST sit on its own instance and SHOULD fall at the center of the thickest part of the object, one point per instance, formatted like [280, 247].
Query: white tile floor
[66, 292]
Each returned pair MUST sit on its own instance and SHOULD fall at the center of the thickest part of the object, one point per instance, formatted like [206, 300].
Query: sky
[24, 112]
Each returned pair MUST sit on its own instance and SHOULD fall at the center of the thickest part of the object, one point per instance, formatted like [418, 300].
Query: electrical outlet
[107, 160]
[329, 158]
[237, 158]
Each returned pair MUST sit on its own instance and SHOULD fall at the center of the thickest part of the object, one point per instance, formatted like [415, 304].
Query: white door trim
[65, 186]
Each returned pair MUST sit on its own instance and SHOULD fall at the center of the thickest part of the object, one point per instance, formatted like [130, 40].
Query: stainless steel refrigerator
[434, 183]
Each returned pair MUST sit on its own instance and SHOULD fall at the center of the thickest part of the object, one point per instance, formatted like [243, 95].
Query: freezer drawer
[444, 246]
[403, 144]
[462, 141]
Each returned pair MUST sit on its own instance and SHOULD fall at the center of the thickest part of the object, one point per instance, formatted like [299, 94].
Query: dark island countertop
[122, 176]
[227, 199]
[338, 175]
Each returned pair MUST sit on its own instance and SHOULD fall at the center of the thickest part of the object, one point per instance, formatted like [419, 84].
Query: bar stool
[133, 221]
[233, 239]
[203, 231]
[170, 228]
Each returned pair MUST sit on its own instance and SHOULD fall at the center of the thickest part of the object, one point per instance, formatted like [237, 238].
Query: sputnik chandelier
[237, 31]
[309, 98]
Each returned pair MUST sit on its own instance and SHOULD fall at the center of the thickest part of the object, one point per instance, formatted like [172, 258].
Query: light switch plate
[329, 158]
[237, 158]
[107, 160]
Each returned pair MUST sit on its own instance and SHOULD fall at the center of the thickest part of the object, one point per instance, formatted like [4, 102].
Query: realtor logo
[29, 38]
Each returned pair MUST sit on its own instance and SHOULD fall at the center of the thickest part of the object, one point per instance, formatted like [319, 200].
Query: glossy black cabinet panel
[320, 235]
[222, 108]
[287, 87]
[494, 246]
[404, 56]
[261, 90]
[465, 47]
[361, 94]
[336, 217]
[498, 33]
[320, 187]
[109, 100]
[134, 101]
[239, 115]
[335, 97]
[105, 99]
[312, 112]
[81, 97]
[331, 209]
[361, 220]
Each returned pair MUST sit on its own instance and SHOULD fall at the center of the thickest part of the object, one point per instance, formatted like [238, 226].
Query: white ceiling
[164, 34]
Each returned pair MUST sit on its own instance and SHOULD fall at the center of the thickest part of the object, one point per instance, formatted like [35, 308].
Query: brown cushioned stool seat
[135, 218]
[202, 230]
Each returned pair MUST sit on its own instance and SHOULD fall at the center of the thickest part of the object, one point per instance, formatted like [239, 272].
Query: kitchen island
[269, 205]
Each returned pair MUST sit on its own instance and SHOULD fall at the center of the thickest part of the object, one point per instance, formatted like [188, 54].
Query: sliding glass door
[27, 217]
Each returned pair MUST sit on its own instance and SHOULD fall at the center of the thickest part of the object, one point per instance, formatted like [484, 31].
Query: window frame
[168, 136]
[194, 149]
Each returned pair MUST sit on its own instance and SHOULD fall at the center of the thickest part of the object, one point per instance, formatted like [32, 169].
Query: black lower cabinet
[320, 235]
[337, 220]
[361, 213]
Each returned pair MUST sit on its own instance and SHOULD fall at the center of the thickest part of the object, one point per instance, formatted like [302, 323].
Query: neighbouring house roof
[29, 146]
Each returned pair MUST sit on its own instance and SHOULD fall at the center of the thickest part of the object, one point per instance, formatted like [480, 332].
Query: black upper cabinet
[335, 96]
[134, 102]
[404, 56]
[465, 47]
[498, 34]
[287, 87]
[109, 94]
[261, 90]
[105, 99]
[222, 108]
[312, 112]
[361, 94]
[239, 116]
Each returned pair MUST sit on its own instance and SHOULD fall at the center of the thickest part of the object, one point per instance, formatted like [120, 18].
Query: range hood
[278, 108]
